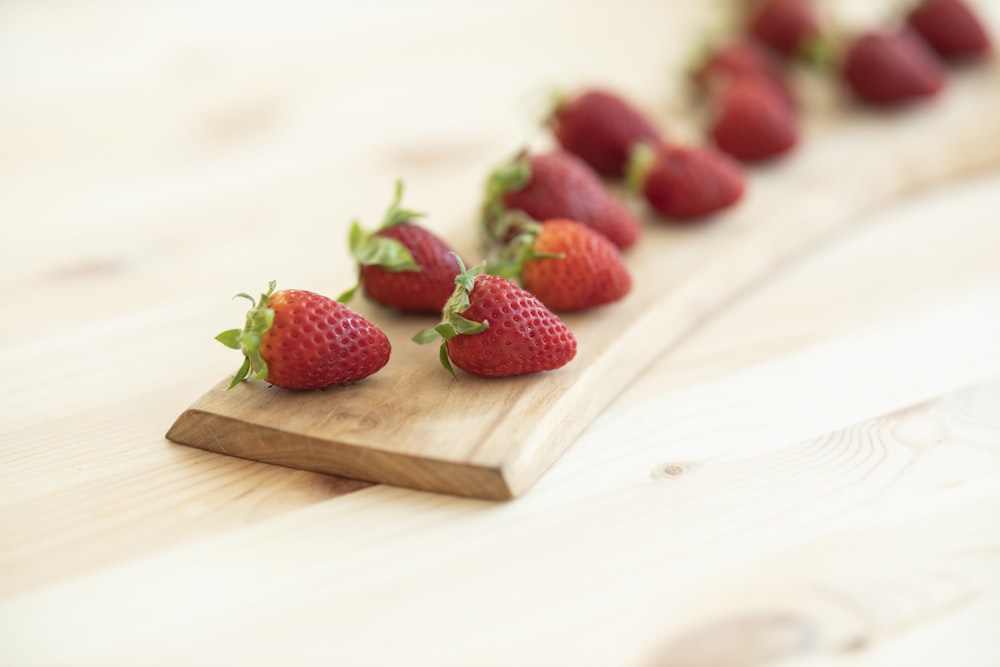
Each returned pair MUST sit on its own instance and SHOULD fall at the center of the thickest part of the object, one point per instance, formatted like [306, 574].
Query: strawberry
[601, 127]
[402, 265]
[752, 121]
[951, 28]
[566, 265]
[738, 58]
[891, 68]
[302, 340]
[555, 185]
[787, 26]
[684, 183]
[492, 328]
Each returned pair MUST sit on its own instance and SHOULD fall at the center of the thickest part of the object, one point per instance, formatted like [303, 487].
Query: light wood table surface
[811, 479]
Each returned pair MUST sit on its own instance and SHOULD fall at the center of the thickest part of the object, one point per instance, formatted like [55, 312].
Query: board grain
[412, 425]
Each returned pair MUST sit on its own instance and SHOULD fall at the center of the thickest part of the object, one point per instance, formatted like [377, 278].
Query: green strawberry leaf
[445, 361]
[230, 338]
[456, 325]
[259, 320]
[511, 258]
[819, 52]
[445, 330]
[396, 214]
[466, 327]
[428, 335]
[640, 161]
[369, 249]
[241, 374]
[348, 294]
[250, 343]
[557, 99]
[511, 176]
[386, 253]
[357, 237]
[516, 223]
[452, 322]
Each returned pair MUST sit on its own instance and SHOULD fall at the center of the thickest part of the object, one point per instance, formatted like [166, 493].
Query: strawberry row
[555, 231]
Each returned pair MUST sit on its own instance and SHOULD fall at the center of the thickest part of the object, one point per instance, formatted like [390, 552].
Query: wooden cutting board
[413, 425]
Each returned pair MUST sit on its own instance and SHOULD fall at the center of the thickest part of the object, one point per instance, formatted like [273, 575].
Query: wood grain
[411, 425]
[804, 548]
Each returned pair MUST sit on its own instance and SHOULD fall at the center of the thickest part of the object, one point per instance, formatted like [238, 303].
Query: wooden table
[812, 478]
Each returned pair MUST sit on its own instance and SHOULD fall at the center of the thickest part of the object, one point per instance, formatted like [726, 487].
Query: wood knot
[742, 641]
[669, 471]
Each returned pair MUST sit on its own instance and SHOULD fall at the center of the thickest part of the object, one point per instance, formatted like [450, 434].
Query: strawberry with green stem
[682, 183]
[300, 340]
[600, 127]
[401, 264]
[490, 327]
[567, 265]
[550, 185]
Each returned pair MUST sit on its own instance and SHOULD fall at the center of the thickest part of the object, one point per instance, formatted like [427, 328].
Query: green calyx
[369, 249]
[557, 99]
[520, 250]
[508, 177]
[247, 340]
[707, 44]
[452, 323]
[819, 52]
[640, 161]
[396, 214]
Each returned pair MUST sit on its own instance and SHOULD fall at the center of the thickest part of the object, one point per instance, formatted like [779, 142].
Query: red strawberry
[889, 68]
[601, 127]
[752, 121]
[787, 26]
[685, 183]
[951, 28]
[302, 340]
[555, 185]
[493, 328]
[402, 265]
[567, 265]
[739, 58]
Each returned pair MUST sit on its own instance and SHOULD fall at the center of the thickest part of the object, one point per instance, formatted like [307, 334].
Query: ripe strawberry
[736, 59]
[302, 340]
[787, 26]
[402, 265]
[555, 185]
[492, 328]
[601, 127]
[686, 183]
[951, 28]
[566, 265]
[890, 68]
[752, 122]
